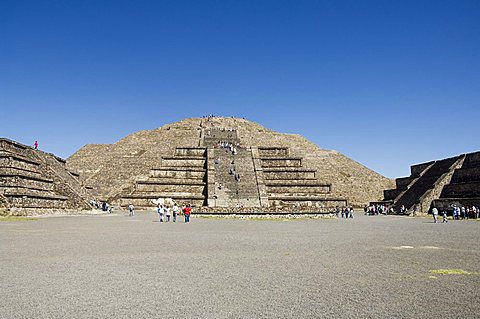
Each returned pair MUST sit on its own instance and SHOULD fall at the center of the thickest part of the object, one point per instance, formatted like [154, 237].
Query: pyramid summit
[224, 162]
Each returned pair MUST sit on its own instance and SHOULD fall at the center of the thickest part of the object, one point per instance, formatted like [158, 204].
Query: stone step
[26, 176]
[287, 169]
[38, 202]
[13, 170]
[190, 151]
[298, 190]
[184, 158]
[32, 193]
[466, 175]
[297, 183]
[165, 195]
[25, 182]
[322, 203]
[288, 175]
[172, 181]
[180, 169]
[159, 188]
[185, 163]
[461, 190]
[179, 174]
[6, 156]
[150, 202]
[265, 152]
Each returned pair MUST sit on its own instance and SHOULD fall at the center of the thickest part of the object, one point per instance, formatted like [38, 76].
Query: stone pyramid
[221, 162]
[35, 181]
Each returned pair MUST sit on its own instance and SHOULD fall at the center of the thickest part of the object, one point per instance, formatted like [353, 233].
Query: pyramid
[35, 181]
[223, 162]
[443, 183]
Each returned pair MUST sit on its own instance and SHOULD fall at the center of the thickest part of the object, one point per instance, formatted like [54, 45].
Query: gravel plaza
[115, 266]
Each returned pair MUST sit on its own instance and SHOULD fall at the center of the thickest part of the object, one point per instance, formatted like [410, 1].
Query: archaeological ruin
[217, 163]
[34, 181]
[221, 164]
[442, 183]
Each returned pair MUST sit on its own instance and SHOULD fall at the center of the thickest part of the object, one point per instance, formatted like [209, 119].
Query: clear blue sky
[387, 83]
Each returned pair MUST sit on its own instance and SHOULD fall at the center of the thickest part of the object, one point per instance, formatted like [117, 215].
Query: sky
[387, 83]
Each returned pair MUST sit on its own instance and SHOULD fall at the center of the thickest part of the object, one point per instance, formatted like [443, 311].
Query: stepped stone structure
[193, 161]
[32, 180]
[441, 183]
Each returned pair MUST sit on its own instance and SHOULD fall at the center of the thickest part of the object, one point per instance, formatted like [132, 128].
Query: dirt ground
[115, 266]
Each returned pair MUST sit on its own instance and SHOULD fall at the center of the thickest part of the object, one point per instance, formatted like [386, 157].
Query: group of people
[229, 147]
[344, 212]
[378, 209]
[103, 205]
[458, 212]
[164, 212]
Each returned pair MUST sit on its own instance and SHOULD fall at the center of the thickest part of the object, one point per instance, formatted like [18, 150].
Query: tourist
[464, 212]
[435, 214]
[160, 213]
[131, 210]
[186, 213]
[174, 212]
[167, 213]
[444, 213]
[351, 212]
[35, 144]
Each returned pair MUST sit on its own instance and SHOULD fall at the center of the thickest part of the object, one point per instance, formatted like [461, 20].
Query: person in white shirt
[174, 212]
[131, 210]
[167, 213]
[435, 214]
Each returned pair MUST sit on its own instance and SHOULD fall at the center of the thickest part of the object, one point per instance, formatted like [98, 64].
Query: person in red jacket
[35, 144]
[186, 212]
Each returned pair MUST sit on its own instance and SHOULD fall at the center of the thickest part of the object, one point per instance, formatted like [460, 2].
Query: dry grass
[15, 218]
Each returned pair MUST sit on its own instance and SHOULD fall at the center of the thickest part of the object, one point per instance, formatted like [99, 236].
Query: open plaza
[116, 266]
